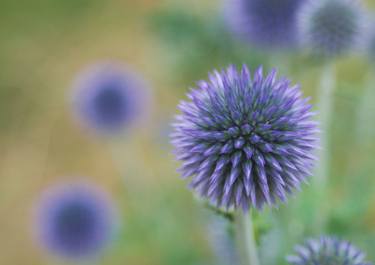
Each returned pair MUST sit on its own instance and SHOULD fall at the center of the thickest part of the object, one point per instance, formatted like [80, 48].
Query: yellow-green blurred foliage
[45, 43]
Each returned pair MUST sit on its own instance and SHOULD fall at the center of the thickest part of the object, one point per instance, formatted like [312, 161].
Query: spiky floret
[331, 27]
[247, 141]
[265, 23]
[327, 251]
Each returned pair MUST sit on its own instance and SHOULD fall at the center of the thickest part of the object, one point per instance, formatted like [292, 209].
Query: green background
[44, 44]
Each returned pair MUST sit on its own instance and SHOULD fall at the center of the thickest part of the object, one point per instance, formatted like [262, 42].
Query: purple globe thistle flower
[327, 251]
[74, 221]
[265, 23]
[109, 99]
[331, 27]
[247, 141]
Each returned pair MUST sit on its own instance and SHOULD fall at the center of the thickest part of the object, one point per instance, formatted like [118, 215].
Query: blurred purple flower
[74, 221]
[109, 99]
[327, 251]
[331, 27]
[265, 23]
[247, 141]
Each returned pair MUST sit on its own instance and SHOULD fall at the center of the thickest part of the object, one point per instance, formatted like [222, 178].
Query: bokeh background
[45, 43]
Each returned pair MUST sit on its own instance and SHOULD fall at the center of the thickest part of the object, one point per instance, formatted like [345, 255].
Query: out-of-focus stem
[325, 94]
[365, 125]
[246, 240]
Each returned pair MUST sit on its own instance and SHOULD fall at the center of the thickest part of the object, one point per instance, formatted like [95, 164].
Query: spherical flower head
[331, 28]
[109, 99]
[265, 23]
[327, 251]
[247, 141]
[74, 221]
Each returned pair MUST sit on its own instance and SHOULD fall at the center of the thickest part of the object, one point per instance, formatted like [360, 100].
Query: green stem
[365, 126]
[326, 91]
[246, 240]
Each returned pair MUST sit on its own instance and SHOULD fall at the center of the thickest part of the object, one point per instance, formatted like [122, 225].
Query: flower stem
[246, 240]
[325, 108]
[365, 127]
